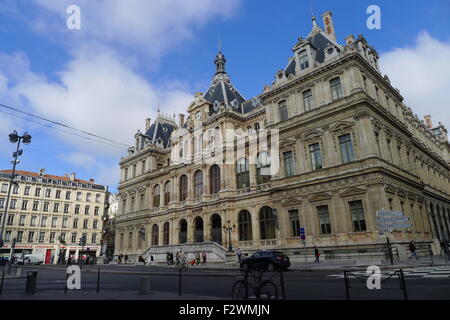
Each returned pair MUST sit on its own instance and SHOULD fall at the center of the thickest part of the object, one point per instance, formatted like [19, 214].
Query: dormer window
[303, 59]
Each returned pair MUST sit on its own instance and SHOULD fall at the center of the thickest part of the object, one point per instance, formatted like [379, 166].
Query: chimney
[66, 175]
[148, 122]
[181, 119]
[92, 180]
[350, 39]
[428, 122]
[42, 172]
[72, 176]
[329, 26]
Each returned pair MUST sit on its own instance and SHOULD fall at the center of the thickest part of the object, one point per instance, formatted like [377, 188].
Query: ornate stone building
[48, 215]
[340, 145]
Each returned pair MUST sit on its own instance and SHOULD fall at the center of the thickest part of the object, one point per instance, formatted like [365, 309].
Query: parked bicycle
[262, 289]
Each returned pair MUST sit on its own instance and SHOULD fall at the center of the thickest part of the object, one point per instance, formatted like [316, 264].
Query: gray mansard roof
[161, 130]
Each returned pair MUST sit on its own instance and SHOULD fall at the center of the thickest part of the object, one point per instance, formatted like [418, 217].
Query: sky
[131, 57]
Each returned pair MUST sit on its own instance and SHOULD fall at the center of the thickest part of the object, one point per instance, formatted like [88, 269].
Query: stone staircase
[214, 251]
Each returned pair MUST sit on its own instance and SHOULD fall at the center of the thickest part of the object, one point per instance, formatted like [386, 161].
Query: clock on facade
[197, 115]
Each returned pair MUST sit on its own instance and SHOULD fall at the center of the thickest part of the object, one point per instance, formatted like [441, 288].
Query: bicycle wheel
[239, 291]
[268, 291]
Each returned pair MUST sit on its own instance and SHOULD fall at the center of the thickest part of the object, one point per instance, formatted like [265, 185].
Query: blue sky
[131, 57]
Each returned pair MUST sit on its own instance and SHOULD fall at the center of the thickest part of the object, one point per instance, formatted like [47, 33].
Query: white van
[31, 259]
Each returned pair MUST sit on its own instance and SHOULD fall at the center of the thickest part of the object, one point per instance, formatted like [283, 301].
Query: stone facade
[49, 214]
[348, 147]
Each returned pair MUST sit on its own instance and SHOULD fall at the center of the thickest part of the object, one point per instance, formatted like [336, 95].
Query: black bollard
[65, 286]
[30, 287]
[179, 283]
[98, 281]
[1, 285]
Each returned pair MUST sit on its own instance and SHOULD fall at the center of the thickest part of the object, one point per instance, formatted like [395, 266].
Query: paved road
[304, 285]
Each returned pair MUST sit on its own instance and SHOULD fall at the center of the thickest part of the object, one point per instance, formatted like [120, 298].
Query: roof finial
[313, 17]
[220, 45]
[220, 60]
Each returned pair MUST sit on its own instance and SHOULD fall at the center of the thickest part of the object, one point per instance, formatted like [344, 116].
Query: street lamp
[229, 229]
[13, 138]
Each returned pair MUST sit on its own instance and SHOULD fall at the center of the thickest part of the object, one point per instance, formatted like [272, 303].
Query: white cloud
[149, 25]
[421, 72]
[80, 159]
[98, 93]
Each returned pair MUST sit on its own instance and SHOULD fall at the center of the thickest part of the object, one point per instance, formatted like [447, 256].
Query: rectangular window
[58, 194]
[33, 221]
[67, 195]
[22, 220]
[41, 237]
[13, 204]
[316, 156]
[97, 198]
[74, 238]
[27, 191]
[94, 238]
[78, 196]
[357, 213]
[38, 192]
[75, 223]
[86, 210]
[4, 188]
[85, 224]
[15, 189]
[24, 204]
[77, 209]
[143, 167]
[295, 223]
[66, 208]
[56, 207]
[346, 148]
[64, 222]
[289, 164]
[54, 222]
[10, 220]
[324, 220]
[2, 203]
[308, 99]
[30, 236]
[282, 107]
[303, 59]
[48, 193]
[19, 236]
[52, 237]
[8, 236]
[46, 204]
[63, 237]
[96, 210]
[95, 225]
[35, 205]
[336, 88]
[88, 197]
[44, 221]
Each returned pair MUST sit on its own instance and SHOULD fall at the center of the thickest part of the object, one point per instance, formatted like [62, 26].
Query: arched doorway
[182, 236]
[267, 223]
[198, 233]
[216, 228]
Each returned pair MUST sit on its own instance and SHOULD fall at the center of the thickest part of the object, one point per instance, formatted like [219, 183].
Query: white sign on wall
[387, 221]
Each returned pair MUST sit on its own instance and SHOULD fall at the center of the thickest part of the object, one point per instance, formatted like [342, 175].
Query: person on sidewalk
[197, 258]
[126, 258]
[239, 254]
[204, 258]
[317, 255]
[412, 248]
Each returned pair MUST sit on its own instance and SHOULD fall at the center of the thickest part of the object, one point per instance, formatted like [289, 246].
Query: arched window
[256, 126]
[245, 226]
[263, 168]
[167, 188]
[182, 235]
[198, 232]
[267, 222]
[183, 187]
[214, 179]
[156, 194]
[242, 173]
[166, 234]
[198, 183]
[155, 235]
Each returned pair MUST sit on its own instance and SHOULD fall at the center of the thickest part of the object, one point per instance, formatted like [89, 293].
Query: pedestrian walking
[126, 258]
[204, 258]
[317, 255]
[69, 260]
[120, 258]
[412, 248]
[197, 257]
[151, 260]
[239, 254]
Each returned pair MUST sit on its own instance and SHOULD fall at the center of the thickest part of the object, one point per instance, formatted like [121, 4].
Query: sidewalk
[103, 295]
